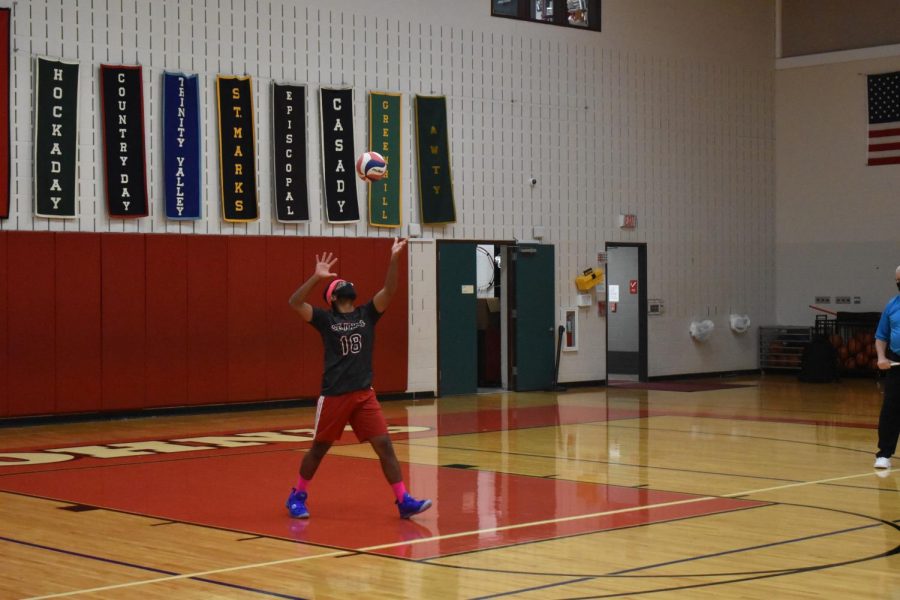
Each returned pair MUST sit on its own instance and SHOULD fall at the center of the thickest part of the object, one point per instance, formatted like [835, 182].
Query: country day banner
[181, 145]
[4, 113]
[122, 105]
[289, 146]
[338, 158]
[433, 153]
[55, 137]
[385, 135]
[237, 149]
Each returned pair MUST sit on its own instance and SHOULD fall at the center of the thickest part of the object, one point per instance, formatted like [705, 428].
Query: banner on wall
[884, 118]
[237, 149]
[433, 153]
[181, 145]
[4, 112]
[338, 159]
[385, 137]
[55, 137]
[289, 146]
[122, 104]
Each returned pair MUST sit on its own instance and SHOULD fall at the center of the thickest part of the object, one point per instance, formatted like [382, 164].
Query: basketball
[371, 166]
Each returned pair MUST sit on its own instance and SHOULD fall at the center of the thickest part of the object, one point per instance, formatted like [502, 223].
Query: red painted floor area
[352, 506]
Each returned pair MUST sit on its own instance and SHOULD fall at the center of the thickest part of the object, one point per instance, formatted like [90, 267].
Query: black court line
[162, 523]
[122, 563]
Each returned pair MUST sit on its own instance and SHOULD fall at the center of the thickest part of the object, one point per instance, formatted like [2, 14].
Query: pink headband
[331, 287]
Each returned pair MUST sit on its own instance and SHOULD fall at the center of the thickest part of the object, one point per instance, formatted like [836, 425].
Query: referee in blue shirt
[887, 343]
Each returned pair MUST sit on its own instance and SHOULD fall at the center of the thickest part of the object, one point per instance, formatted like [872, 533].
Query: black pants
[889, 421]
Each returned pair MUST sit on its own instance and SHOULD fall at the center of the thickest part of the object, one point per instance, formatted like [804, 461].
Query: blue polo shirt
[889, 325]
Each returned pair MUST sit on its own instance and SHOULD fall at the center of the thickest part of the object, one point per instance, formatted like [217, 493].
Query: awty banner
[55, 137]
[181, 145]
[338, 168]
[289, 145]
[384, 138]
[237, 149]
[433, 152]
[4, 112]
[122, 96]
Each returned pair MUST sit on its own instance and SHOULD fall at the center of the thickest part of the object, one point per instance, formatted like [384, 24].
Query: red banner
[4, 113]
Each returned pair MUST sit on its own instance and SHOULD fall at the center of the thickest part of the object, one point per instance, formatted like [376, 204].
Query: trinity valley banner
[433, 152]
[122, 95]
[55, 137]
[181, 145]
[338, 159]
[237, 149]
[289, 141]
[385, 138]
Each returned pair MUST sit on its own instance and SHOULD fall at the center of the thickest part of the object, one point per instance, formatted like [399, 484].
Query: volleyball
[371, 166]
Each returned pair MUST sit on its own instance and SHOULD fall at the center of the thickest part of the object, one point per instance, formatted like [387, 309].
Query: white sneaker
[882, 462]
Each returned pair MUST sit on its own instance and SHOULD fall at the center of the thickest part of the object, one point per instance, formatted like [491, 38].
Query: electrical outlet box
[823, 299]
[842, 299]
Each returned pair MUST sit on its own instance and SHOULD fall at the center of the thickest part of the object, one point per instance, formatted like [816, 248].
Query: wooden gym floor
[760, 491]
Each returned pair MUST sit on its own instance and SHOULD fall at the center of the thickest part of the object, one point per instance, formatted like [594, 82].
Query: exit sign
[627, 221]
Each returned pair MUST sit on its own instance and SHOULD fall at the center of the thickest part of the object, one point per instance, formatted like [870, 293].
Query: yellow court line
[448, 536]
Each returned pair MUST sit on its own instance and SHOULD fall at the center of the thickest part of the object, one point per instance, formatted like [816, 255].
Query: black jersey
[349, 339]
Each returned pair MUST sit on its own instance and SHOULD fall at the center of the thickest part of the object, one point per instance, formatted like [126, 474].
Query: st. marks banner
[4, 112]
[338, 159]
[433, 152]
[122, 96]
[385, 138]
[181, 145]
[55, 137]
[237, 149]
[289, 145]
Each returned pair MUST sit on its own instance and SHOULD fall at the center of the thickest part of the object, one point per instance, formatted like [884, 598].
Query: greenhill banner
[385, 135]
[433, 153]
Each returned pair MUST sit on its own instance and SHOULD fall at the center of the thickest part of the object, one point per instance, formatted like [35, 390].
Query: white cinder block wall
[667, 114]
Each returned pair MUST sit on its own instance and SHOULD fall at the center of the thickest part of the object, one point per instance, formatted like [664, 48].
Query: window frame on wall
[524, 11]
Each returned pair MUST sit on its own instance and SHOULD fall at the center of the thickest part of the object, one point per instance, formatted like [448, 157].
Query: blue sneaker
[410, 506]
[296, 505]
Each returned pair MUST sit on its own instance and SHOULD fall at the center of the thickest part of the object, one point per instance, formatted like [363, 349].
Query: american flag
[884, 119]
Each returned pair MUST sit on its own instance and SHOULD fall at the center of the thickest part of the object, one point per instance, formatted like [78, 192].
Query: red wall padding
[167, 320]
[79, 341]
[124, 310]
[4, 356]
[93, 322]
[31, 326]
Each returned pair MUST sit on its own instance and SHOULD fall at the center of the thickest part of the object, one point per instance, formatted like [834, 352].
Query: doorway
[626, 313]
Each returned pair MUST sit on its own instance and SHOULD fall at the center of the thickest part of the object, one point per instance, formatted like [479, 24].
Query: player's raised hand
[324, 264]
[397, 248]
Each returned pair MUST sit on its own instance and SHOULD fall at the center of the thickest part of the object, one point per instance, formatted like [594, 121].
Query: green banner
[433, 152]
[384, 138]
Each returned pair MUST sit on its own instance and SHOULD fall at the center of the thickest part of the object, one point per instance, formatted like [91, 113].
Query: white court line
[448, 536]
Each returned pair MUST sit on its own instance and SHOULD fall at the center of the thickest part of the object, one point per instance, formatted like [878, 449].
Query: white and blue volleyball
[371, 166]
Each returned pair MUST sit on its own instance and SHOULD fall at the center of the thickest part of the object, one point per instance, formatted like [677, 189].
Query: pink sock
[301, 484]
[399, 490]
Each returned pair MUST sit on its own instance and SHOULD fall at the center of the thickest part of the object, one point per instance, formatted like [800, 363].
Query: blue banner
[181, 145]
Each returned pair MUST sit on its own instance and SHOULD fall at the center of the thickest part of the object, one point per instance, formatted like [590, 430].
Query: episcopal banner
[338, 159]
[433, 152]
[4, 112]
[237, 149]
[122, 97]
[289, 141]
[384, 138]
[181, 145]
[55, 137]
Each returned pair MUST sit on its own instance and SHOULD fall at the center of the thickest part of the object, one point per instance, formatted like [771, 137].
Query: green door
[535, 296]
[457, 329]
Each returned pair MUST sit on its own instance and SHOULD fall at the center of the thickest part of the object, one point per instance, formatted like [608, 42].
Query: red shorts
[360, 409]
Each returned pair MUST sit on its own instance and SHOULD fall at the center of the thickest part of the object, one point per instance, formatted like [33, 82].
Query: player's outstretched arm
[322, 271]
[384, 295]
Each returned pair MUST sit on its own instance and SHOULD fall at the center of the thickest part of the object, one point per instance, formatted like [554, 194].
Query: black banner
[338, 170]
[55, 137]
[122, 95]
[237, 149]
[433, 151]
[289, 140]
